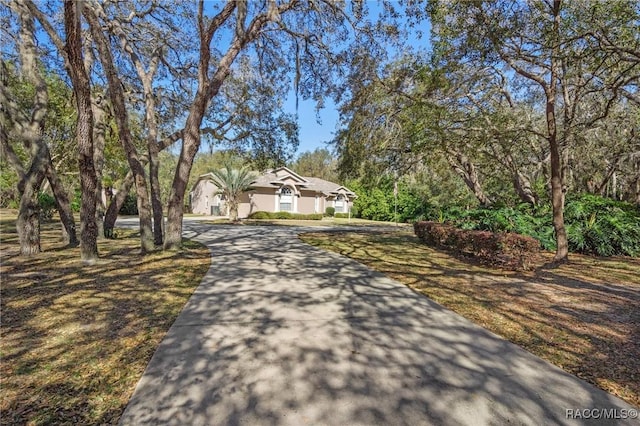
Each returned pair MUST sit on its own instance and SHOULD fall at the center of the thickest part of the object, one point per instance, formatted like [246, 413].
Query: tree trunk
[144, 211]
[156, 200]
[523, 188]
[84, 131]
[116, 94]
[521, 183]
[28, 223]
[118, 199]
[99, 135]
[64, 207]
[190, 145]
[468, 172]
[30, 180]
[233, 210]
[115, 205]
[557, 184]
[557, 201]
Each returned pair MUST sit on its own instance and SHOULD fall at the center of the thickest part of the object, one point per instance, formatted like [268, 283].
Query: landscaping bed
[502, 249]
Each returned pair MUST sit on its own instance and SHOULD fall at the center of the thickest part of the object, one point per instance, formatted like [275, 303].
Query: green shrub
[285, 215]
[595, 225]
[330, 211]
[9, 195]
[312, 216]
[259, 215]
[341, 215]
[379, 202]
[47, 206]
[601, 226]
[77, 201]
[130, 206]
[507, 250]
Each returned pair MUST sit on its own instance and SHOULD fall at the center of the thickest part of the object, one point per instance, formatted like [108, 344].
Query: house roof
[327, 187]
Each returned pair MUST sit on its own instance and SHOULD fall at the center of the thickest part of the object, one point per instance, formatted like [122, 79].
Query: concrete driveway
[281, 333]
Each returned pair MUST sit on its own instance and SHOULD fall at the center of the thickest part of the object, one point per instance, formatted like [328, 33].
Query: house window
[286, 199]
[339, 204]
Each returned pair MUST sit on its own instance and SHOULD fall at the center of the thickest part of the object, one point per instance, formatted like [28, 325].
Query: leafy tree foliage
[543, 44]
[232, 183]
[378, 202]
[513, 100]
[22, 122]
[318, 163]
[246, 118]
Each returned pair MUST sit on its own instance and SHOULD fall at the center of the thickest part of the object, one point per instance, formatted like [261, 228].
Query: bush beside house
[285, 215]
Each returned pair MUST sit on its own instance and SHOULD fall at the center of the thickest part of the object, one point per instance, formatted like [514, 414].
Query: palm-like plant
[232, 183]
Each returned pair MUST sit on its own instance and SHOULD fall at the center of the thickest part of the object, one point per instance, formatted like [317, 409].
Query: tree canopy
[519, 102]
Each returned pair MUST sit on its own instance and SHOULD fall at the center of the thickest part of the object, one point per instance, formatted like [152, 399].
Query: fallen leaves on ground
[76, 338]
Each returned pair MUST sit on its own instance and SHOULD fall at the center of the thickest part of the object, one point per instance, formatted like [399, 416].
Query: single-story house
[274, 191]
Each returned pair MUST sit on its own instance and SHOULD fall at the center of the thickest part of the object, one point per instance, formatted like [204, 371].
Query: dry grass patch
[76, 338]
[582, 317]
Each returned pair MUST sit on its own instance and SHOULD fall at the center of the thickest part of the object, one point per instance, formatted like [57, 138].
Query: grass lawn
[75, 339]
[583, 317]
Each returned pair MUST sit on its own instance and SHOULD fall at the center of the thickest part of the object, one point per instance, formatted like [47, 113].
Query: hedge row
[341, 215]
[503, 249]
[594, 224]
[285, 215]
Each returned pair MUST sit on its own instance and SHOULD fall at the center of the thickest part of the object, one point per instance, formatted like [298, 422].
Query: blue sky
[312, 134]
[315, 135]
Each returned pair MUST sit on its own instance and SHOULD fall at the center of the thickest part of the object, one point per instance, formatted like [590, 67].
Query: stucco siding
[262, 200]
[306, 203]
[202, 197]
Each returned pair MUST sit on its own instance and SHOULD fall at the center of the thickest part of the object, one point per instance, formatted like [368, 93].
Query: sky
[317, 128]
[314, 135]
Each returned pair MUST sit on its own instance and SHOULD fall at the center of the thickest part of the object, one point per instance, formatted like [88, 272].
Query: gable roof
[284, 172]
[327, 187]
[206, 176]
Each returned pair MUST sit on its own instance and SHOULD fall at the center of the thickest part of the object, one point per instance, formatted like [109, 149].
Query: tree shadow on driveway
[280, 333]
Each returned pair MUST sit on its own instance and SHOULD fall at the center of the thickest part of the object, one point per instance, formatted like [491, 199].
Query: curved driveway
[282, 333]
